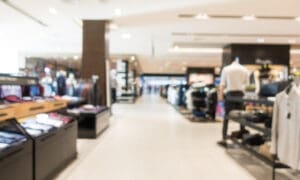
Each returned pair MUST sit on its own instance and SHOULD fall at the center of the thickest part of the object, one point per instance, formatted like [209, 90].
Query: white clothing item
[51, 122]
[285, 141]
[234, 77]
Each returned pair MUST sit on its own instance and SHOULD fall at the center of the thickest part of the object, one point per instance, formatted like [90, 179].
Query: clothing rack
[266, 131]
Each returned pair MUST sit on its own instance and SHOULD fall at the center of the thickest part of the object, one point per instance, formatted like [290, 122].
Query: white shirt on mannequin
[234, 77]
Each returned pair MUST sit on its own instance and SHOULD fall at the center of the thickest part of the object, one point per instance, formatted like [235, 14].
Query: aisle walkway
[151, 141]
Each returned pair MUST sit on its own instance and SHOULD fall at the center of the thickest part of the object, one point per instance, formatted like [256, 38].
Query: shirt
[234, 77]
[285, 140]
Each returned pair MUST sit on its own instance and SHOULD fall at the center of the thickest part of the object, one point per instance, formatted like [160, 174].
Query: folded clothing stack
[251, 116]
[8, 139]
[60, 117]
[44, 123]
[92, 109]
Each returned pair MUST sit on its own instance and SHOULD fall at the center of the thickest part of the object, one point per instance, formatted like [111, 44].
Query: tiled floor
[149, 140]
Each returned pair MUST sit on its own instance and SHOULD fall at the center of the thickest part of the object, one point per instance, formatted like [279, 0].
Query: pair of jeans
[229, 106]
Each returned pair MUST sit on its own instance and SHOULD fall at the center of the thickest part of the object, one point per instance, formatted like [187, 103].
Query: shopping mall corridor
[149, 140]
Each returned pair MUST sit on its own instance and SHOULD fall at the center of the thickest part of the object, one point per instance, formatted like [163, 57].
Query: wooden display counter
[27, 109]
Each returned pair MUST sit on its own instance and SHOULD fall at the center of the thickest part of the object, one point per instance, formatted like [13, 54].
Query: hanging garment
[61, 85]
[285, 140]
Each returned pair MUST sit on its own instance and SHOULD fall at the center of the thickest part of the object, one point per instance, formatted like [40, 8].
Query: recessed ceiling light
[292, 41]
[196, 50]
[249, 17]
[126, 36]
[52, 10]
[260, 40]
[118, 12]
[113, 26]
[297, 18]
[202, 16]
[295, 51]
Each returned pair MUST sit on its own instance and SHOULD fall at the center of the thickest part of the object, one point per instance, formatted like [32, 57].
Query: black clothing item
[253, 140]
[231, 106]
[239, 134]
[268, 122]
[61, 86]
[113, 95]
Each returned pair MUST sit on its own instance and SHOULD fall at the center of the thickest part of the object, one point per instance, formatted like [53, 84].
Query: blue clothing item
[7, 140]
[14, 136]
[34, 90]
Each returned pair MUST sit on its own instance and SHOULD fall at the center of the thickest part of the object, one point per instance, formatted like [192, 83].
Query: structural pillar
[95, 54]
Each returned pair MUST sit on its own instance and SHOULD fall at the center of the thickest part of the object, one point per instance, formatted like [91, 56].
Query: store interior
[149, 90]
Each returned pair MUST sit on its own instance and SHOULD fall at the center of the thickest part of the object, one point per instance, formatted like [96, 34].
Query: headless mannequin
[234, 88]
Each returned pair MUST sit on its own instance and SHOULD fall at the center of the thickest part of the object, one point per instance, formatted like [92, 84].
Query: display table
[16, 162]
[91, 125]
[54, 151]
[40, 157]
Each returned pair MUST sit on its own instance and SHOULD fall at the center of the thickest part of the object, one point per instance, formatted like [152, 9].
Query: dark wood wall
[95, 53]
[249, 53]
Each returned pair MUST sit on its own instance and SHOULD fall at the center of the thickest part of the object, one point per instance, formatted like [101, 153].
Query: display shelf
[17, 80]
[257, 126]
[258, 100]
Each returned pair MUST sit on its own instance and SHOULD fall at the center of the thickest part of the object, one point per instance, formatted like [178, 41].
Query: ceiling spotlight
[132, 58]
[292, 41]
[249, 17]
[297, 18]
[118, 12]
[52, 11]
[202, 16]
[126, 36]
[260, 40]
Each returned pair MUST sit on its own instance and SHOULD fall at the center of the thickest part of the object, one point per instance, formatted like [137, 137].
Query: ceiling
[149, 28]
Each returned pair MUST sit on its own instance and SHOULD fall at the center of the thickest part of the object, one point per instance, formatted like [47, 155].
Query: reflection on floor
[150, 140]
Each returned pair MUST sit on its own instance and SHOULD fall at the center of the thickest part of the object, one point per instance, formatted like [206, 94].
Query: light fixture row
[177, 49]
[250, 17]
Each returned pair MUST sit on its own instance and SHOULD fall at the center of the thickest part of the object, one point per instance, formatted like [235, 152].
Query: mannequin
[47, 83]
[71, 84]
[234, 78]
